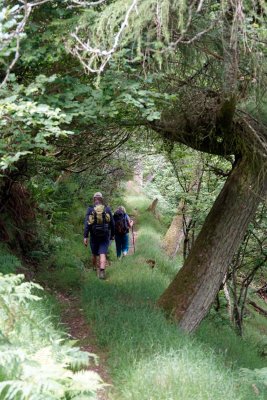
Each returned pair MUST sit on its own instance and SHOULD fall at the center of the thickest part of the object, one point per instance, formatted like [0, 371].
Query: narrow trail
[77, 327]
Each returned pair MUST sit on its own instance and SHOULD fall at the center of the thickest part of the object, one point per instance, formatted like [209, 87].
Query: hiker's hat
[98, 194]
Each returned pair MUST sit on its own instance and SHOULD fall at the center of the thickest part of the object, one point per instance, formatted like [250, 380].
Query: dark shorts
[99, 246]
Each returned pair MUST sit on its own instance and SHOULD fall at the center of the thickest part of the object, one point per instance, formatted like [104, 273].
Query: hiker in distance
[100, 224]
[122, 225]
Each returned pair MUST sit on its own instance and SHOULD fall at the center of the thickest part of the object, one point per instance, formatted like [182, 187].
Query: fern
[36, 360]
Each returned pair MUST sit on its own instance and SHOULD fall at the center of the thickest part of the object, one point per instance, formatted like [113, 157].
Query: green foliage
[9, 20]
[257, 377]
[176, 173]
[216, 332]
[27, 125]
[8, 262]
[36, 360]
[168, 36]
[148, 33]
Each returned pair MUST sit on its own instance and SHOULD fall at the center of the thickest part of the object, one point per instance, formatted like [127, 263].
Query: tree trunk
[175, 234]
[138, 174]
[228, 298]
[192, 292]
[153, 206]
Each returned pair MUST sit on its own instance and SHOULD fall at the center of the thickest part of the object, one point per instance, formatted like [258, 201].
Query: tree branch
[17, 33]
[78, 3]
[96, 53]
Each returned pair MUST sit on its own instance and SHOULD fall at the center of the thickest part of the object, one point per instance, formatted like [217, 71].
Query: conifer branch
[94, 59]
[95, 53]
[78, 3]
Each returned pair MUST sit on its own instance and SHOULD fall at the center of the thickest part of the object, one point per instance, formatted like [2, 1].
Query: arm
[129, 221]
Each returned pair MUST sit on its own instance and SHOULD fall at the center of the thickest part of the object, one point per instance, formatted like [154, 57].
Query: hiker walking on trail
[122, 225]
[100, 224]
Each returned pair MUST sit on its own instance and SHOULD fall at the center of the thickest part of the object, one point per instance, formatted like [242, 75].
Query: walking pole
[133, 239]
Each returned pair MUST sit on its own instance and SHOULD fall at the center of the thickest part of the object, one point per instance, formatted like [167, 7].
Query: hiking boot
[102, 274]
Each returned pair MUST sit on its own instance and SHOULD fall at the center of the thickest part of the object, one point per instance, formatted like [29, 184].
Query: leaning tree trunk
[190, 295]
[175, 234]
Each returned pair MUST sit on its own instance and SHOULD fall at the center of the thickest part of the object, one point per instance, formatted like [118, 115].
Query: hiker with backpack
[100, 224]
[122, 225]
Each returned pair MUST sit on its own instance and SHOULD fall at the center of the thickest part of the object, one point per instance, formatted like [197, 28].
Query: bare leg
[95, 261]
[102, 261]
[102, 264]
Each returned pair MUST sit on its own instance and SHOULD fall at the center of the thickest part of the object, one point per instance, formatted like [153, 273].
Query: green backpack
[99, 220]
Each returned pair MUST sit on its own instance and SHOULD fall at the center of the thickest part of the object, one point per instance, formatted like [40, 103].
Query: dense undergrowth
[149, 357]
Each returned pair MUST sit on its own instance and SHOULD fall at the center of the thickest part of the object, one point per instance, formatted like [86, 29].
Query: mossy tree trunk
[190, 295]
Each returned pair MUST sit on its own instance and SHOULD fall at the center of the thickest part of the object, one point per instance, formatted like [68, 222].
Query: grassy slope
[149, 357]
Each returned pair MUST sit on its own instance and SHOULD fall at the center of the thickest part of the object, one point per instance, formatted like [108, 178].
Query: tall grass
[148, 356]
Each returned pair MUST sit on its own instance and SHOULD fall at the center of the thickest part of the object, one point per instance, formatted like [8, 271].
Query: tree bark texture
[175, 234]
[192, 292]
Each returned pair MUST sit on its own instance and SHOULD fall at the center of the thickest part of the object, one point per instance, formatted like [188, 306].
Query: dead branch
[258, 308]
